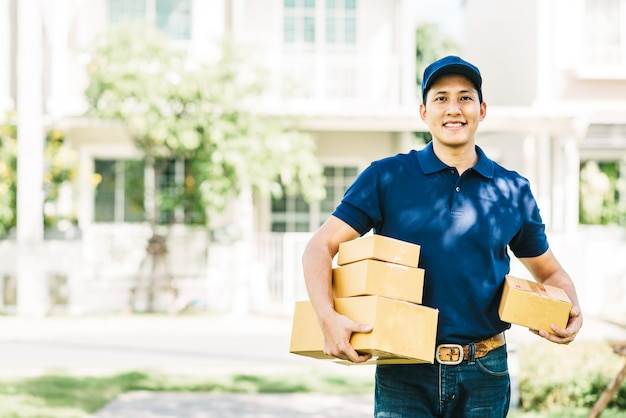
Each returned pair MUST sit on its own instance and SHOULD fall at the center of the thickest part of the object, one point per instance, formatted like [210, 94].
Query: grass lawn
[57, 396]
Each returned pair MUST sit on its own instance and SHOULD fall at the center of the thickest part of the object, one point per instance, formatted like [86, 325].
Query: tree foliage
[60, 167]
[177, 107]
[601, 191]
[8, 177]
[430, 45]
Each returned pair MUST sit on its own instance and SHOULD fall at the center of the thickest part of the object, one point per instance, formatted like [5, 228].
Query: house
[555, 92]
[352, 60]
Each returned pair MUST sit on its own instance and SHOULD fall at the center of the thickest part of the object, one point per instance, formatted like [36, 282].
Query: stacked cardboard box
[533, 305]
[377, 282]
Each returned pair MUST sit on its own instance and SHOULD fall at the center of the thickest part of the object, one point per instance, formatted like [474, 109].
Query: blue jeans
[476, 388]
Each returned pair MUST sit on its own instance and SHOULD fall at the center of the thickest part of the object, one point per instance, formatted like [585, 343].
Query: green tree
[601, 193]
[60, 169]
[430, 45]
[174, 107]
[8, 177]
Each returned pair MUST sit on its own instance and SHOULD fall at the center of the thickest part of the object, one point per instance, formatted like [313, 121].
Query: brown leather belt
[450, 354]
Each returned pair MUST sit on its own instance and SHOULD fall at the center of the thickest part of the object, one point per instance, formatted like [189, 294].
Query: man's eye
[470, 98]
[440, 99]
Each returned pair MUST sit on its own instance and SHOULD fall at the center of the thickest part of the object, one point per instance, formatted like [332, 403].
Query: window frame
[174, 178]
[151, 13]
[601, 66]
[318, 211]
[326, 68]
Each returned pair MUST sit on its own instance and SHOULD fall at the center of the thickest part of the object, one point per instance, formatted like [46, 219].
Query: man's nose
[453, 107]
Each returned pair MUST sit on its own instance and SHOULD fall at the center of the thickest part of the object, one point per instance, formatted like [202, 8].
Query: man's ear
[423, 112]
[483, 111]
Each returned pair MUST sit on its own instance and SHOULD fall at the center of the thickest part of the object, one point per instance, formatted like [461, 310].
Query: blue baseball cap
[451, 65]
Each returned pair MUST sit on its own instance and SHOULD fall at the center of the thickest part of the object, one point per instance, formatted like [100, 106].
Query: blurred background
[176, 155]
[172, 157]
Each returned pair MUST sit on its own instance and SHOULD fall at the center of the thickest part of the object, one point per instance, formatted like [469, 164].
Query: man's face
[453, 111]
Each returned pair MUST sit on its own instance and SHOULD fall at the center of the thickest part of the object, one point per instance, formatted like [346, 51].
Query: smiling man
[466, 212]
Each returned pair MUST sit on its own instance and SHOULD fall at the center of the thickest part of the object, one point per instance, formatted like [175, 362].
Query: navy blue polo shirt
[463, 224]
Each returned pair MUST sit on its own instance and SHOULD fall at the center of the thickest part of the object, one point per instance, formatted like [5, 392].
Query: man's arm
[547, 269]
[317, 264]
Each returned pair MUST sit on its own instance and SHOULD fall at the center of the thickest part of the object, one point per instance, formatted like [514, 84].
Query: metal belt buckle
[449, 354]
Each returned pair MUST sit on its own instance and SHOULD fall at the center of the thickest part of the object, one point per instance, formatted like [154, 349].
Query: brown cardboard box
[373, 277]
[379, 247]
[403, 332]
[533, 305]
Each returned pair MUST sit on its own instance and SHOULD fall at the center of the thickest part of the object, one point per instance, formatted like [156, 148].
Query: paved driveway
[168, 405]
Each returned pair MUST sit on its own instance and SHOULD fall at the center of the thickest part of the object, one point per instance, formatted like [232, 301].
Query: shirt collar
[431, 164]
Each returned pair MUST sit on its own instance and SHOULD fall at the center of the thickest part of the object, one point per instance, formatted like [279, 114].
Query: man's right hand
[337, 331]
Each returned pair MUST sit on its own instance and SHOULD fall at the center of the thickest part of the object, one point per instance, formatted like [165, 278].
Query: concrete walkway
[187, 405]
[205, 346]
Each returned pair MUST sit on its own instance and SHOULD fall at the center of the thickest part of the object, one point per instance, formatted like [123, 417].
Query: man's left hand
[567, 335]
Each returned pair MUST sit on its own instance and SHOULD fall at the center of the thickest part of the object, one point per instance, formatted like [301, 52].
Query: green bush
[554, 377]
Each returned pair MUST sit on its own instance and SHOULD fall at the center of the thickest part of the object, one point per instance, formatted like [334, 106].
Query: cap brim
[455, 69]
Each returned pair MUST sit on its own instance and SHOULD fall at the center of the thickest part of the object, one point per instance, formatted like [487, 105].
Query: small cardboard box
[373, 277]
[379, 247]
[533, 305]
[403, 332]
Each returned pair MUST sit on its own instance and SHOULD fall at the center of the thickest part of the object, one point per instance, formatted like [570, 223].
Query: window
[338, 179]
[603, 192]
[120, 186]
[171, 16]
[290, 214]
[293, 214]
[299, 21]
[340, 21]
[605, 32]
[602, 195]
[320, 40]
[167, 172]
[300, 25]
[119, 191]
[126, 10]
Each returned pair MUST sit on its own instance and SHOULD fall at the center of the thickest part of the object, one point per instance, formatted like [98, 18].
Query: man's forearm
[317, 266]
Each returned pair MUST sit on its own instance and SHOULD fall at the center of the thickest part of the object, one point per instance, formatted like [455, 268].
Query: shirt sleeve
[360, 206]
[531, 240]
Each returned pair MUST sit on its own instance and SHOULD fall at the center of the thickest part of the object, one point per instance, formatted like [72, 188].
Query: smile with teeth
[454, 125]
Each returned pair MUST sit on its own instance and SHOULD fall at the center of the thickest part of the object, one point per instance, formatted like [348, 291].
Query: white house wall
[6, 39]
[501, 38]
[363, 147]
